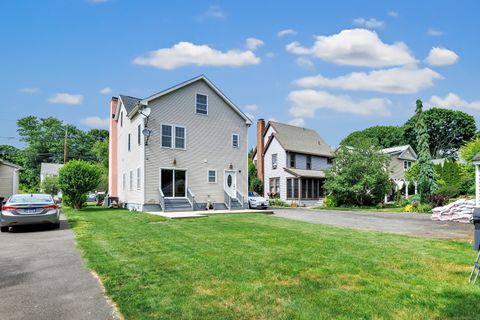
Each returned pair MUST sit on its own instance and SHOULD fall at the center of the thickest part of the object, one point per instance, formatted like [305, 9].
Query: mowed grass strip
[263, 267]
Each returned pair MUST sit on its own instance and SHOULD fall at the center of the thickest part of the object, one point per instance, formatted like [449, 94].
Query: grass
[264, 267]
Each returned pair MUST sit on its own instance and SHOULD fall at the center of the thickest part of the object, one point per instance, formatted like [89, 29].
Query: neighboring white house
[49, 170]
[291, 161]
[178, 149]
[9, 177]
[402, 158]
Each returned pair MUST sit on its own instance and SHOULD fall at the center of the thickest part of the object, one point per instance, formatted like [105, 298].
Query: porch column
[416, 185]
[406, 188]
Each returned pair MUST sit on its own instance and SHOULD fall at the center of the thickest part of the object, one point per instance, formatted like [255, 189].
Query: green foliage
[469, 150]
[358, 176]
[275, 202]
[426, 175]
[418, 207]
[381, 136]
[412, 173]
[254, 183]
[100, 152]
[76, 179]
[447, 131]
[50, 185]
[448, 178]
[10, 153]
[330, 202]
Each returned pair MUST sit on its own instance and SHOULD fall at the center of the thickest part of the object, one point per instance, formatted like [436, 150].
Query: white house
[178, 149]
[402, 158]
[9, 178]
[291, 161]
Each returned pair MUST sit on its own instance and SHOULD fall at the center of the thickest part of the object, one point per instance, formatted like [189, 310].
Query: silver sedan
[27, 209]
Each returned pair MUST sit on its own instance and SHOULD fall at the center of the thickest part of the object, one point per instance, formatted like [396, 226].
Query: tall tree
[426, 179]
[447, 130]
[381, 136]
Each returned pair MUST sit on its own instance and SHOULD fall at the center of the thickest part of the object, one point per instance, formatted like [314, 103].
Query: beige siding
[8, 181]
[208, 143]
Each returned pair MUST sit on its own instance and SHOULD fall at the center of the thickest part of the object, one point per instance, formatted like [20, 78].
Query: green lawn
[264, 267]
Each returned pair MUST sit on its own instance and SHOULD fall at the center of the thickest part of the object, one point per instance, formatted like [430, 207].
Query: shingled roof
[129, 102]
[299, 140]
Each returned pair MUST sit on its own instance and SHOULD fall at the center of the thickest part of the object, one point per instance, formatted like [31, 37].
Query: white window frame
[139, 179]
[274, 163]
[173, 136]
[208, 175]
[196, 96]
[130, 180]
[238, 140]
[407, 164]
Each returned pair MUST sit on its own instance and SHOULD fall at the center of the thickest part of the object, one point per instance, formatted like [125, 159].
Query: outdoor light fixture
[147, 132]
[230, 166]
[174, 161]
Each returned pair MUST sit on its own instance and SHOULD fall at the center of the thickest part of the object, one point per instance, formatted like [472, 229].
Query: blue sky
[335, 66]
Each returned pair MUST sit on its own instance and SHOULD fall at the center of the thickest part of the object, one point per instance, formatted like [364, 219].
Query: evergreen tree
[426, 181]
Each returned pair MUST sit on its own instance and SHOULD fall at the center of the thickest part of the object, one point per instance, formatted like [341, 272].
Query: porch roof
[302, 173]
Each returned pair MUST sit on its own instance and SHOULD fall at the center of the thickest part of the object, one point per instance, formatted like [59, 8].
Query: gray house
[9, 178]
[178, 149]
[402, 158]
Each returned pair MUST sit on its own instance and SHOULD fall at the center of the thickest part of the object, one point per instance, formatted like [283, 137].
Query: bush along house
[184, 148]
[291, 161]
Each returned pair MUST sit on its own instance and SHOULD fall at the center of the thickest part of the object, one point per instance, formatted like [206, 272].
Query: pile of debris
[460, 211]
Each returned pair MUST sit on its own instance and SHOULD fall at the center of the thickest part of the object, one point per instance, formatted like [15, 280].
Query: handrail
[241, 198]
[227, 199]
[191, 198]
[162, 199]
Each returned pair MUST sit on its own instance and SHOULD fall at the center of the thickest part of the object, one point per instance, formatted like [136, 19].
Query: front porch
[305, 186]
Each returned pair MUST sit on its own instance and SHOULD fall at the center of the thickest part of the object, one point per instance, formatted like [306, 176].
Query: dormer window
[201, 104]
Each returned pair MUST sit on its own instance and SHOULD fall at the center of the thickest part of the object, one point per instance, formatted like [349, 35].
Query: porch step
[236, 204]
[172, 205]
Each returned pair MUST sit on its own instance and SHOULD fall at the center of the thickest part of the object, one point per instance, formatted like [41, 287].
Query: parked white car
[255, 201]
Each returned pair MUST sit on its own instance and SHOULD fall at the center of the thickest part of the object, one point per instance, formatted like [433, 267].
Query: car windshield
[31, 198]
[253, 194]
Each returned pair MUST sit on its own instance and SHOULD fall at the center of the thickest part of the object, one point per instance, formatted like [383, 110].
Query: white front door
[230, 183]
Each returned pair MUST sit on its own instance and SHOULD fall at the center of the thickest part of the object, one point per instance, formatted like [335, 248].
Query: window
[274, 187]
[309, 162]
[201, 104]
[212, 176]
[274, 161]
[139, 134]
[139, 186]
[292, 160]
[131, 180]
[292, 188]
[329, 161]
[123, 181]
[173, 136]
[121, 119]
[129, 142]
[407, 164]
[235, 140]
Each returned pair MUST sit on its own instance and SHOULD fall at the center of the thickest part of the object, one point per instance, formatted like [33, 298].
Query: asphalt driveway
[42, 276]
[412, 224]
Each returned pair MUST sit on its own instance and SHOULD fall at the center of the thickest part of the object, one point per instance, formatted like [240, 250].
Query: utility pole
[65, 146]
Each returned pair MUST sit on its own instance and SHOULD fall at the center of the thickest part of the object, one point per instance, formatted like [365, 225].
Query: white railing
[241, 199]
[227, 199]
[191, 198]
[162, 199]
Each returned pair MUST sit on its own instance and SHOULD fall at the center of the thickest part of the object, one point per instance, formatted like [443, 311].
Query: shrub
[277, 203]
[379, 205]
[50, 185]
[408, 208]
[403, 202]
[424, 208]
[437, 200]
[330, 202]
[76, 179]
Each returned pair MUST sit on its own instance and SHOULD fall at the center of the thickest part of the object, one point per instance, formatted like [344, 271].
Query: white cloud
[253, 43]
[214, 12]
[269, 54]
[251, 107]
[29, 90]
[370, 23]
[393, 14]
[95, 122]
[441, 57]
[66, 98]
[434, 33]
[286, 32]
[453, 101]
[299, 122]
[186, 53]
[394, 80]
[305, 63]
[106, 90]
[305, 103]
[356, 47]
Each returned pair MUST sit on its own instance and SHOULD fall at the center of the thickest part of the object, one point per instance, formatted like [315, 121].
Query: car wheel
[3, 229]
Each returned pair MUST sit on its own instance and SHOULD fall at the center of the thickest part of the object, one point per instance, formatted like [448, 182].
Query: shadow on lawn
[461, 304]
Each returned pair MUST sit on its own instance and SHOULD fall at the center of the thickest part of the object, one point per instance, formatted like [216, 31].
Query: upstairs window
[173, 136]
[129, 142]
[166, 136]
[406, 165]
[180, 137]
[274, 161]
[139, 134]
[309, 162]
[121, 119]
[201, 104]
[235, 140]
[292, 160]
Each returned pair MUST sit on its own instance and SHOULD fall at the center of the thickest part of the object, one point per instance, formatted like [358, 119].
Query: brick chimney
[260, 149]
[112, 151]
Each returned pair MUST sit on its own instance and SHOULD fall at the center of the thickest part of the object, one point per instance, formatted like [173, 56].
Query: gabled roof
[6, 163]
[134, 103]
[50, 169]
[400, 150]
[298, 139]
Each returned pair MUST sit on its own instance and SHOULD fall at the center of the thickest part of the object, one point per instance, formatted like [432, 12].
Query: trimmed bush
[76, 179]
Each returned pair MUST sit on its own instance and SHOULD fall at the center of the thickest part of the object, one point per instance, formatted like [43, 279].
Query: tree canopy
[381, 136]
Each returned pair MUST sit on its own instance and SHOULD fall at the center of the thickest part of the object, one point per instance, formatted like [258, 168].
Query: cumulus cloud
[453, 101]
[304, 62]
[251, 107]
[356, 47]
[441, 57]
[95, 122]
[394, 80]
[29, 90]
[299, 122]
[370, 23]
[253, 43]
[66, 98]
[434, 33]
[186, 53]
[305, 103]
[106, 90]
[286, 32]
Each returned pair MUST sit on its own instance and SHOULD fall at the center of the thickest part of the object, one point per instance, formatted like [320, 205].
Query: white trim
[225, 181]
[184, 137]
[206, 96]
[208, 176]
[238, 141]
[173, 136]
[173, 168]
[210, 84]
